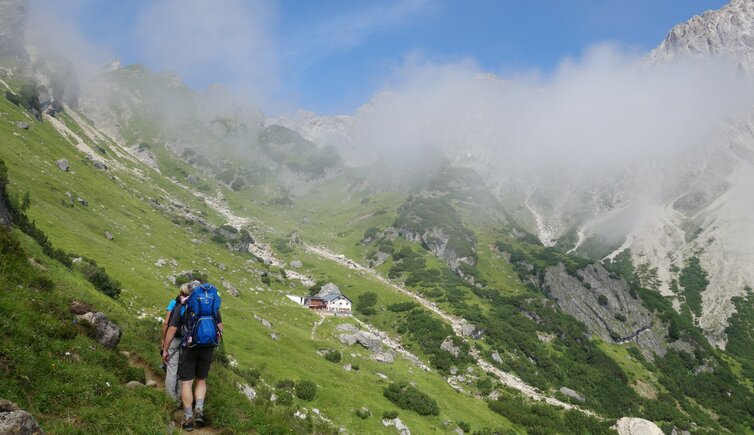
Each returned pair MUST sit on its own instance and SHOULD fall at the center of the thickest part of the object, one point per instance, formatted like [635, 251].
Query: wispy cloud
[350, 29]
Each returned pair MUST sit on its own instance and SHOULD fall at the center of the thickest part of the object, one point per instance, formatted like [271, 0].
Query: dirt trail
[151, 375]
[456, 323]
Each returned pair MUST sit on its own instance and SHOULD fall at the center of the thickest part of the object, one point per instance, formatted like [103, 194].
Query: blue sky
[331, 56]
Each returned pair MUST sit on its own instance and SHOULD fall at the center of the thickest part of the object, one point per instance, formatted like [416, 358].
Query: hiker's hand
[165, 355]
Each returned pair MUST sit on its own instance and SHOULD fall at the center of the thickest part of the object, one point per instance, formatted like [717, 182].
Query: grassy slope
[142, 235]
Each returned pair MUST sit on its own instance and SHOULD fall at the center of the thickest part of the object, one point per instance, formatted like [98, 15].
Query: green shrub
[13, 98]
[100, 279]
[402, 306]
[285, 398]
[365, 303]
[409, 397]
[191, 276]
[333, 356]
[389, 415]
[602, 300]
[285, 384]
[464, 426]
[306, 390]
[363, 413]
[42, 283]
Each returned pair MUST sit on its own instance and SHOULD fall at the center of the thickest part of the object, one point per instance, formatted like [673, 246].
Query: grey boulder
[104, 331]
[15, 421]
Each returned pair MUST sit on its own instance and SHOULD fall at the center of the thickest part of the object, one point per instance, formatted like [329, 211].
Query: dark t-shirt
[175, 317]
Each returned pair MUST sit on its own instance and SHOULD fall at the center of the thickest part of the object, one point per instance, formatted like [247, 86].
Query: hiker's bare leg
[187, 395]
[201, 389]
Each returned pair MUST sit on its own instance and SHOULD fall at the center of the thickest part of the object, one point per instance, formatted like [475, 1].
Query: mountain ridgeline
[465, 318]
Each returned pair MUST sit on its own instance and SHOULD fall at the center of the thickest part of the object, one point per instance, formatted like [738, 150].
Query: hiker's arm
[219, 324]
[168, 338]
[165, 327]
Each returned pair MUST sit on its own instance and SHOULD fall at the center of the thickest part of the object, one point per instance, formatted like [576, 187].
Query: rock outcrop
[230, 288]
[572, 394]
[16, 421]
[604, 304]
[636, 426]
[104, 331]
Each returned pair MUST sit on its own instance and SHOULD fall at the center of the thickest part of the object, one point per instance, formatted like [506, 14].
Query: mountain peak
[727, 32]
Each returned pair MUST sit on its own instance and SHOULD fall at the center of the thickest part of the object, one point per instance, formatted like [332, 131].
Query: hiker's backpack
[199, 323]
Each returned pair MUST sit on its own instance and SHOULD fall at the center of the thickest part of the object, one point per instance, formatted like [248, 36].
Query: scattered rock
[222, 266]
[165, 262]
[151, 383]
[264, 322]
[231, 289]
[22, 125]
[299, 414]
[347, 339]
[99, 165]
[296, 264]
[70, 198]
[459, 431]
[572, 394]
[329, 289]
[382, 376]
[192, 179]
[246, 390]
[453, 370]
[347, 327]
[636, 426]
[134, 384]
[347, 367]
[62, 164]
[104, 331]
[16, 421]
[448, 346]
[467, 329]
[496, 357]
[78, 307]
[82, 201]
[384, 357]
[369, 340]
[398, 424]
[274, 336]
[108, 235]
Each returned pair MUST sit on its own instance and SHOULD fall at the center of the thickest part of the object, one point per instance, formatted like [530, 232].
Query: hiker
[201, 329]
[172, 386]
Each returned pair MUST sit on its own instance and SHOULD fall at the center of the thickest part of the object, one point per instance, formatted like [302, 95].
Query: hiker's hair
[185, 290]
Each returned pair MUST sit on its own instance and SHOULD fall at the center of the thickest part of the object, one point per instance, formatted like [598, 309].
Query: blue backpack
[199, 323]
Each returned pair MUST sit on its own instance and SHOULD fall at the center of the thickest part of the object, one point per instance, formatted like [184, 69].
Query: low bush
[409, 397]
[306, 390]
[333, 356]
[389, 415]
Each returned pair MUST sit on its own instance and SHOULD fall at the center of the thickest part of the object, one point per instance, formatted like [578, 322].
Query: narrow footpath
[456, 323]
[160, 380]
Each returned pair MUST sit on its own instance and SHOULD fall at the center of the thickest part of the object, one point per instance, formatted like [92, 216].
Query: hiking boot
[199, 417]
[187, 424]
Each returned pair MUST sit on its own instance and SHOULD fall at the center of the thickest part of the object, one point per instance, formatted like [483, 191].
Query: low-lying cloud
[593, 115]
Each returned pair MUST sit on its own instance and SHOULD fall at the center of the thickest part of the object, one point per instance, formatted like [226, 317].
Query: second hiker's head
[186, 289]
